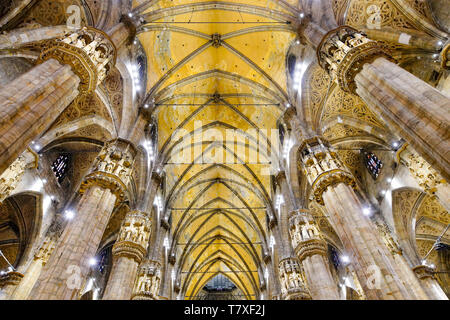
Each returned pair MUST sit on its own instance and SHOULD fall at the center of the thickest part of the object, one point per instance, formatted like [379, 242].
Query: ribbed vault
[216, 67]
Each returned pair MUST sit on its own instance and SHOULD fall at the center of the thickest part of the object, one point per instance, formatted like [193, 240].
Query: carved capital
[293, 285]
[305, 235]
[344, 51]
[112, 168]
[89, 52]
[12, 278]
[14, 173]
[148, 281]
[133, 238]
[322, 167]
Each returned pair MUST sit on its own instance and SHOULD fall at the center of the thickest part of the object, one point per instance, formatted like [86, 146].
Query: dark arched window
[373, 164]
[61, 166]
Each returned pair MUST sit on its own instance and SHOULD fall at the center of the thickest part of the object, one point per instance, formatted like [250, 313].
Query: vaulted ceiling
[217, 65]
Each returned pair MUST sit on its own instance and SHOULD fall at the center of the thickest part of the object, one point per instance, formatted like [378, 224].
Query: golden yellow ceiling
[217, 65]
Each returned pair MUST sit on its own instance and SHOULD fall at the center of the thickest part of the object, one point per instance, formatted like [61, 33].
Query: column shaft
[121, 279]
[30, 104]
[77, 245]
[413, 109]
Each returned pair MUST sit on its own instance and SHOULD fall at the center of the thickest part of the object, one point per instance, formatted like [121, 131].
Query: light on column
[92, 261]
[345, 259]
[69, 214]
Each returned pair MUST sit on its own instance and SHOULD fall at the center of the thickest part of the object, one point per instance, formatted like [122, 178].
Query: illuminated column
[34, 270]
[14, 173]
[334, 186]
[101, 190]
[292, 282]
[73, 64]
[148, 281]
[413, 109]
[311, 250]
[9, 283]
[429, 282]
[128, 252]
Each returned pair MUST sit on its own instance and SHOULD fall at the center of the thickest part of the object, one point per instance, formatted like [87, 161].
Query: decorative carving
[10, 279]
[322, 167]
[292, 281]
[216, 39]
[90, 53]
[423, 272]
[386, 235]
[148, 281]
[14, 173]
[46, 249]
[305, 235]
[112, 169]
[426, 176]
[344, 51]
[133, 237]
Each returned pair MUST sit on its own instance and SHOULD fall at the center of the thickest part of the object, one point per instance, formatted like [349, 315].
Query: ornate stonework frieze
[305, 235]
[133, 237]
[323, 167]
[292, 281]
[424, 272]
[89, 52]
[344, 51]
[10, 279]
[148, 281]
[45, 250]
[14, 173]
[112, 169]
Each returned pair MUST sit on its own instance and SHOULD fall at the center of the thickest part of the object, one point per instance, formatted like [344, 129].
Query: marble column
[73, 64]
[429, 282]
[101, 189]
[293, 285]
[334, 187]
[413, 109]
[148, 281]
[128, 252]
[34, 270]
[311, 250]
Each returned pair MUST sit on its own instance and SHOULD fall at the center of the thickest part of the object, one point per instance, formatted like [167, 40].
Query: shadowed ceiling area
[216, 66]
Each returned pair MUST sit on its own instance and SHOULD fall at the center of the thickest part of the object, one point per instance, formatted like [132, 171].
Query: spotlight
[345, 259]
[302, 15]
[69, 214]
[92, 261]
[367, 211]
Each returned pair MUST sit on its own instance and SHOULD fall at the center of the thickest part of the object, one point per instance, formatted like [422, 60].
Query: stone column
[105, 186]
[292, 282]
[34, 270]
[413, 109]
[14, 173]
[128, 252]
[429, 282]
[333, 185]
[32, 102]
[311, 250]
[9, 283]
[148, 281]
